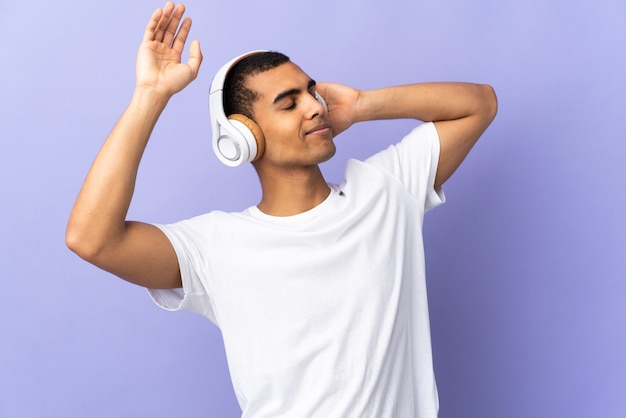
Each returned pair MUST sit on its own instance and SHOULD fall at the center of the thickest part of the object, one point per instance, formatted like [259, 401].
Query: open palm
[159, 58]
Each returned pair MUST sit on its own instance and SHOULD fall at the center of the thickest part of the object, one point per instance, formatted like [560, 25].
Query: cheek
[280, 132]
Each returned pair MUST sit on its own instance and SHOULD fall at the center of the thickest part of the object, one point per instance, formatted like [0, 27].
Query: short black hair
[237, 97]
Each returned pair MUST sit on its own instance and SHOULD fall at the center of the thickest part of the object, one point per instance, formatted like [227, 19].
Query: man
[319, 290]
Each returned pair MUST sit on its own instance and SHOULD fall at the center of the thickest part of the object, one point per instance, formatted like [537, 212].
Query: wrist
[366, 106]
[148, 97]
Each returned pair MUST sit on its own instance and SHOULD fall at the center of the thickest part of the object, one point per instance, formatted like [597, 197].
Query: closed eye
[287, 94]
[292, 106]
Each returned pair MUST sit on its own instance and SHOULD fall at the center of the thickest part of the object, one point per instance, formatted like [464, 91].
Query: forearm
[425, 101]
[100, 210]
[461, 112]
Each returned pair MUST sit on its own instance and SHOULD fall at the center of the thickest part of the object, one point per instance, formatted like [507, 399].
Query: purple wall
[527, 270]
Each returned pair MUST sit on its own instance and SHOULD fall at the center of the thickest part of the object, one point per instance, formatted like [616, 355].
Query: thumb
[195, 57]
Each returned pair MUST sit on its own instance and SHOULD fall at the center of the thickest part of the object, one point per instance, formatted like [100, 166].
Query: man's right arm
[97, 229]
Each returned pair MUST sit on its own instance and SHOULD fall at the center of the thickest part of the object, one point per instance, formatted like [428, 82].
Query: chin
[329, 154]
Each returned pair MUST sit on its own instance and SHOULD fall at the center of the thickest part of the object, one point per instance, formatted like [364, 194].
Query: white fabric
[323, 314]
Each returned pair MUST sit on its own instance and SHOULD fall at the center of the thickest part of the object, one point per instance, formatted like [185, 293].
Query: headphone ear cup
[256, 131]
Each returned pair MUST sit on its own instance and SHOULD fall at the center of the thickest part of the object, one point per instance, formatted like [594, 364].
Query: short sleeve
[188, 241]
[413, 162]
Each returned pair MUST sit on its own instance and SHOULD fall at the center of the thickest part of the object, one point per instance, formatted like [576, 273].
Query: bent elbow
[490, 101]
[80, 244]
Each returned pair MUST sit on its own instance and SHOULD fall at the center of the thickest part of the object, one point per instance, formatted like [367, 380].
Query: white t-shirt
[323, 314]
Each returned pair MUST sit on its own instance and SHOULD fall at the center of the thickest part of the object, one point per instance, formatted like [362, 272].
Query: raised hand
[342, 104]
[159, 64]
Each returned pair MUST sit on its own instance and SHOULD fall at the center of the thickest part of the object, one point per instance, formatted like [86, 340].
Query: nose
[316, 106]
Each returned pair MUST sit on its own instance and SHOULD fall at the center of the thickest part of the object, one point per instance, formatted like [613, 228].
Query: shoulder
[411, 163]
[207, 224]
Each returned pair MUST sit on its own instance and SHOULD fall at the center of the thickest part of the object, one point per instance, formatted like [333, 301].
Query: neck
[290, 192]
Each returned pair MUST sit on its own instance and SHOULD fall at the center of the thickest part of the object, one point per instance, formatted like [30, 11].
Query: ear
[256, 132]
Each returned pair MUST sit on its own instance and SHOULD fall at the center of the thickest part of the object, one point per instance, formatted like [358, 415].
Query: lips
[319, 129]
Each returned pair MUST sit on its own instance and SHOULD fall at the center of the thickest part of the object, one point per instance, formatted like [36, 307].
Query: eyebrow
[292, 92]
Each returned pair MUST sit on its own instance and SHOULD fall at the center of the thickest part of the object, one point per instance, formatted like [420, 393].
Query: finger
[172, 25]
[181, 36]
[321, 87]
[152, 25]
[163, 21]
[195, 57]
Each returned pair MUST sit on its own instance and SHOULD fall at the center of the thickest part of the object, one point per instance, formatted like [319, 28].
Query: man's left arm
[460, 111]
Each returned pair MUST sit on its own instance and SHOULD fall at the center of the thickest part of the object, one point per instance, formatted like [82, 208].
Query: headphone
[237, 139]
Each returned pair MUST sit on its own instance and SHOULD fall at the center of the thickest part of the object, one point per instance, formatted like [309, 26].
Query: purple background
[526, 261]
